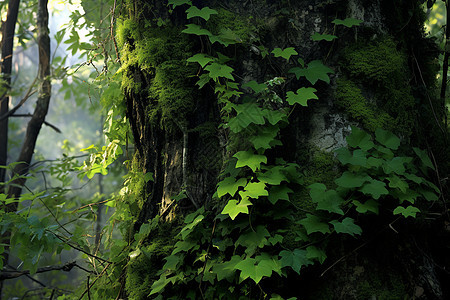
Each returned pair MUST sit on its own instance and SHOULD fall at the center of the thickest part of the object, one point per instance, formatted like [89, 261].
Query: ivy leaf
[295, 259]
[184, 246]
[279, 192]
[274, 116]
[204, 13]
[250, 159]
[410, 211]
[273, 175]
[348, 22]
[351, 180]
[200, 58]
[313, 224]
[256, 271]
[196, 30]
[189, 227]
[247, 113]
[357, 158]
[387, 139]
[326, 200]
[374, 188]
[226, 269]
[230, 186]
[286, 53]
[369, 205]
[301, 96]
[233, 208]
[409, 195]
[424, 158]
[320, 37]
[256, 87]
[254, 190]
[395, 165]
[253, 239]
[313, 252]
[218, 70]
[277, 239]
[316, 71]
[264, 137]
[360, 139]
[346, 226]
[176, 3]
[397, 182]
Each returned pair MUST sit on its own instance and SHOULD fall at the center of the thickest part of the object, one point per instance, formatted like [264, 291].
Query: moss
[349, 97]
[242, 27]
[380, 68]
[383, 285]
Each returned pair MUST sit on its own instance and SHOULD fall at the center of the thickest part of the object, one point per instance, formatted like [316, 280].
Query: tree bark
[5, 69]
[176, 151]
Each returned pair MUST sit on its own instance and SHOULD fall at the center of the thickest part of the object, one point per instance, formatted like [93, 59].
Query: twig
[5, 274]
[24, 99]
[91, 204]
[45, 122]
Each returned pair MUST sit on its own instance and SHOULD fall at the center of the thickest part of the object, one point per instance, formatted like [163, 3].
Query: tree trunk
[382, 70]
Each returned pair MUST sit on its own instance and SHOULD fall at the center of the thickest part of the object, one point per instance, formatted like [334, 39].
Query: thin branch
[45, 122]
[24, 99]
[6, 274]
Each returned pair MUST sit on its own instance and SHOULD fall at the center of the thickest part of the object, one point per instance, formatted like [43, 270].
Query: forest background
[63, 226]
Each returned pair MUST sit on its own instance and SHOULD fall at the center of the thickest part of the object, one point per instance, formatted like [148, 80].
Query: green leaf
[346, 226]
[254, 190]
[274, 175]
[256, 87]
[279, 192]
[360, 139]
[286, 53]
[387, 139]
[397, 182]
[313, 224]
[217, 70]
[196, 30]
[424, 158]
[189, 227]
[351, 180]
[274, 116]
[249, 159]
[326, 200]
[204, 13]
[230, 186]
[253, 239]
[395, 165]
[320, 37]
[349, 22]
[176, 3]
[374, 188]
[247, 113]
[295, 259]
[233, 208]
[264, 138]
[200, 58]
[316, 71]
[313, 252]
[256, 271]
[355, 158]
[409, 211]
[369, 205]
[301, 96]
[226, 269]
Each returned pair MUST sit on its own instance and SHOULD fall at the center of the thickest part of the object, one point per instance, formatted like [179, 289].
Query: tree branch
[6, 274]
[45, 122]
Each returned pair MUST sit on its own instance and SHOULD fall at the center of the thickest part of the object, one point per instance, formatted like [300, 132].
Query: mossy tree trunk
[384, 74]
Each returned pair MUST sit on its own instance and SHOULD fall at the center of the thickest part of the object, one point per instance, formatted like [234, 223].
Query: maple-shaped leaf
[249, 159]
[279, 192]
[369, 205]
[251, 268]
[346, 226]
[255, 86]
[254, 190]
[312, 252]
[295, 259]
[396, 165]
[204, 13]
[217, 70]
[326, 200]
[274, 175]
[352, 180]
[313, 224]
[397, 182]
[230, 186]
[253, 239]
[348, 22]
[387, 139]
[247, 113]
[360, 138]
[264, 138]
[356, 157]
[316, 70]
[320, 37]
[196, 30]
[226, 269]
[274, 116]
[286, 53]
[301, 96]
[200, 58]
[409, 211]
[176, 3]
[234, 208]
